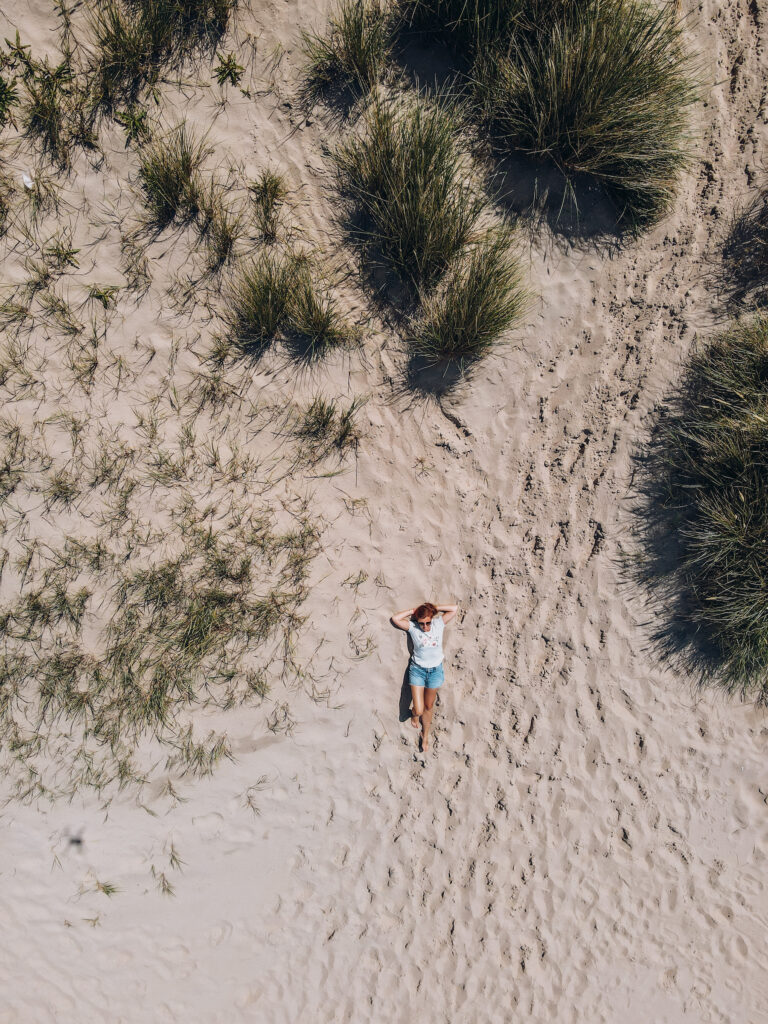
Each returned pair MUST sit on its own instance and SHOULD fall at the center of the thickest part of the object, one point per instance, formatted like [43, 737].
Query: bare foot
[425, 744]
[415, 721]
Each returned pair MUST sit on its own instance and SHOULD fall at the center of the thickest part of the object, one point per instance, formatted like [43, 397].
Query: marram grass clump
[353, 54]
[169, 177]
[597, 87]
[281, 295]
[133, 41]
[409, 182]
[483, 298]
[704, 517]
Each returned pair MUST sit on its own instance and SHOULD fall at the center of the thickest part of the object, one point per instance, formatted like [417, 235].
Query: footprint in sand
[220, 933]
[209, 825]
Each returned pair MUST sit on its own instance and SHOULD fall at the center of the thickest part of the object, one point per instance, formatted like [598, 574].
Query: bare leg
[417, 699]
[430, 696]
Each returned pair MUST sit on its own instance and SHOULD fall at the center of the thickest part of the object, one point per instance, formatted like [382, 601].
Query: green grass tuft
[409, 182]
[258, 300]
[9, 98]
[277, 295]
[269, 192]
[228, 70]
[169, 179]
[314, 324]
[704, 514]
[482, 299]
[51, 99]
[355, 51]
[219, 223]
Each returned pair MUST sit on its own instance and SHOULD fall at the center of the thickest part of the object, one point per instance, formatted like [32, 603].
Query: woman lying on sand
[425, 671]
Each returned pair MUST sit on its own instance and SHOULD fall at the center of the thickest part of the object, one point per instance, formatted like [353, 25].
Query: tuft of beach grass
[703, 514]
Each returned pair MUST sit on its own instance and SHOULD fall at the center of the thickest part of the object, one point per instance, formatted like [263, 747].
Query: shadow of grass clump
[702, 517]
[745, 254]
[596, 87]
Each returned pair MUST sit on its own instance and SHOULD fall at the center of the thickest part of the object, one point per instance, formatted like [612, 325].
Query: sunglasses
[423, 622]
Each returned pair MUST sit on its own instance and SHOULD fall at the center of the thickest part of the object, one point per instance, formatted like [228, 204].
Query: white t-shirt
[427, 645]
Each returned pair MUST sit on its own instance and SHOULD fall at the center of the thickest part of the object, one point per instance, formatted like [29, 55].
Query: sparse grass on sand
[155, 554]
[326, 428]
[483, 298]
[115, 634]
[598, 87]
[269, 191]
[409, 182]
[353, 54]
[704, 514]
[134, 40]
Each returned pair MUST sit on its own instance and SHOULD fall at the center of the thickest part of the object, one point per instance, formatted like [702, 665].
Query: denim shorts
[432, 678]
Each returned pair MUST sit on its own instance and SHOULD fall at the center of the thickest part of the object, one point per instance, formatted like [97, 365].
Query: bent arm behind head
[402, 619]
[448, 610]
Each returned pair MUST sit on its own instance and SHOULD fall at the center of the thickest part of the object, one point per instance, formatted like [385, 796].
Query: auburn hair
[425, 609]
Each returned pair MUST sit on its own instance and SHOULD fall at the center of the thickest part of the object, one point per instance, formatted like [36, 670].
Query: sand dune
[587, 840]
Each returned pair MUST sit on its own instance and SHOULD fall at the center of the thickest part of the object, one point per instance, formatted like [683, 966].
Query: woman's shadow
[405, 689]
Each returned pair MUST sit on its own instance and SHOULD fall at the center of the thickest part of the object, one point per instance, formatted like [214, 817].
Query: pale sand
[587, 840]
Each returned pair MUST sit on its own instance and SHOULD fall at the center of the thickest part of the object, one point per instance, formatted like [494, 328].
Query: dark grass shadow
[427, 65]
[404, 701]
[393, 299]
[575, 208]
[429, 381]
[339, 103]
[743, 272]
[306, 361]
[251, 349]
